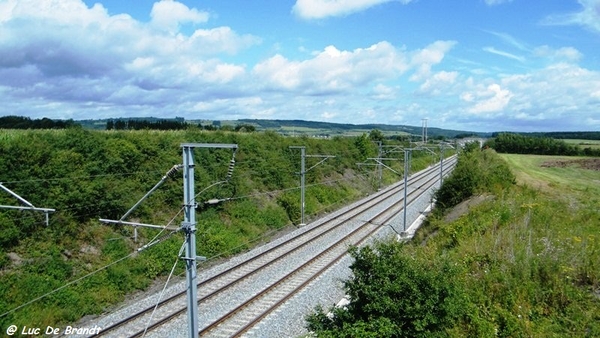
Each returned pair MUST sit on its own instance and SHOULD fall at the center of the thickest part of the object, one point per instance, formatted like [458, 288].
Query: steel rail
[373, 199]
[371, 226]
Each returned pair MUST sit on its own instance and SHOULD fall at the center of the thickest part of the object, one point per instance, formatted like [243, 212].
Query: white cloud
[436, 84]
[169, 14]
[561, 54]
[62, 59]
[62, 50]
[383, 92]
[491, 99]
[327, 115]
[557, 97]
[425, 58]
[588, 17]
[318, 9]
[556, 89]
[332, 70]
[504, 54]
[511, 40]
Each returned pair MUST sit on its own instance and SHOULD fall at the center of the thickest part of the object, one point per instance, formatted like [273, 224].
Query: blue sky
[480, 65]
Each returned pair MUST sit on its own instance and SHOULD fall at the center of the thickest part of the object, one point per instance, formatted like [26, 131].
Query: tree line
[170, 124]
[579, 135]
[136, 124]
[523, 144]
[21, 122]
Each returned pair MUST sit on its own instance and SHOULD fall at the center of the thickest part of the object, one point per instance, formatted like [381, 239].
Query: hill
[301, 127]
[288, 127]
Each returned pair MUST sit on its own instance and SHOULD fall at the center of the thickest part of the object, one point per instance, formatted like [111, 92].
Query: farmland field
[594, 144]
[557, 173]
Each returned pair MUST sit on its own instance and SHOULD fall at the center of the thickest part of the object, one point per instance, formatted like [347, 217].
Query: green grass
[525, 263]
[531, 256]
[86, 174]
[298, 131]
[594, 144]
[572, 178]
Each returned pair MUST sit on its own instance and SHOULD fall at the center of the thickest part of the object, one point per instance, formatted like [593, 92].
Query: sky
[473, 65]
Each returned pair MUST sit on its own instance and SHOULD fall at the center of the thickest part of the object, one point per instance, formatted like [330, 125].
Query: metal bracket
[29, 206]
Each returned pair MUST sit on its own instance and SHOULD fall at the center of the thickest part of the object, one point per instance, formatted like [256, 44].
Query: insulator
[230, 169]
[172, 171]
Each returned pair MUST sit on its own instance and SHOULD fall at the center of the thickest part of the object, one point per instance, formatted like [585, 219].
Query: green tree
[475, 172]
[393, 295]
[362, 143]
[376, 135]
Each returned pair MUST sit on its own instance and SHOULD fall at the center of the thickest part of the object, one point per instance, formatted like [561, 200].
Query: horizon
[327, 122]
[481, 65]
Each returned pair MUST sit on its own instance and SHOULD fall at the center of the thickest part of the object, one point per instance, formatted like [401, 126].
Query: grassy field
[531, 254]
[298, 131]
[594, 144]
[522, 262]
[555, 173]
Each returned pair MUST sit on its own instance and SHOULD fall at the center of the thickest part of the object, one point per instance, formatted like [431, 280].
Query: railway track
[325, 242]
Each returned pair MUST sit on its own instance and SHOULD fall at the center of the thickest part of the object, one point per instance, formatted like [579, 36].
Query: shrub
[475, 172]
[394, 295]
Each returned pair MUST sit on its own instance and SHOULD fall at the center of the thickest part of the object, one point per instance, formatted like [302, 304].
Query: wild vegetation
[86, 175]
[562, 135]
[524, 262]
[21, 122]
[522, 144]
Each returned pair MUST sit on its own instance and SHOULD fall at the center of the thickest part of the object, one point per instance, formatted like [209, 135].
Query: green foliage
[86, 175]
[363, 145]
[526, 273]
[471, 146]
[9, 232]
[21, 122]
[394, 295]
[522, 144]
[291, 204]
[524, 263]
[475, 172]
[376, 135]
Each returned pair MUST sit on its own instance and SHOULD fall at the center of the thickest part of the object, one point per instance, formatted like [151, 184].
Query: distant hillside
[301, 127]
[298, 126]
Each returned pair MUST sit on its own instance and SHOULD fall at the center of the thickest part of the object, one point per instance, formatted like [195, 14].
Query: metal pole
[303, 172]
[380, 167]
[406, 165]
[302, 183]
[29, 206]
[189, 227]
[441, 164]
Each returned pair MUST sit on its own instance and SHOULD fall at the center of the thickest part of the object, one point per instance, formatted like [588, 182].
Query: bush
[393, 295]
[475, 172]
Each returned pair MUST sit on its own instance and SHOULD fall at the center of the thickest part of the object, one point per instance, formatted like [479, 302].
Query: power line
[157, 239]
[153, 241]
[68, 284]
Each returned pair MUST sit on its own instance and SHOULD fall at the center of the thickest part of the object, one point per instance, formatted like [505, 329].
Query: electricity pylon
[188, 226]
[303, 172]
